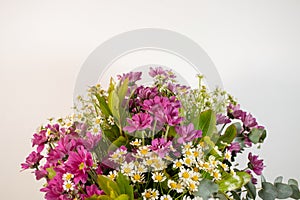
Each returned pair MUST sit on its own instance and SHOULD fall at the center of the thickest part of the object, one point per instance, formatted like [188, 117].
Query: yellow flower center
[185, 175]
[159, 177]
[178, 164]
[81, 166]
[173, 185]
[195, 178]
[68, 177]
[137, 177]
[144, 151]
[148, 195]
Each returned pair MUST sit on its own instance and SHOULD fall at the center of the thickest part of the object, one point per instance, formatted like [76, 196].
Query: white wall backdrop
[254, 44]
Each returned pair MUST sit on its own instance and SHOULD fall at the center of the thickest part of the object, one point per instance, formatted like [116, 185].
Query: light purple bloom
[157, 71]
[91, 140]
[235, 111]
[140, 121]
[253, 179]
[222, 119]
[248, 120]
[160, 146]
[255, 164]
[132, 77]
[234, 147]
[187, 133]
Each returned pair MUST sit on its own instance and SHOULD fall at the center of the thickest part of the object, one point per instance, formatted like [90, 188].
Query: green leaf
[227, 137]
[103, 105]
[51, 172]
[293, 182]
[278, 179]
[206, 123]
[206, 188]
[283, 190]
[296, 192]
[230, 182]
[101, 197]
[268, 191]
[257, 135]
[114, 105]
[122, 197]
[122, 90]
[251, 190]
[124, 185]
[121, 140]
[108, 186]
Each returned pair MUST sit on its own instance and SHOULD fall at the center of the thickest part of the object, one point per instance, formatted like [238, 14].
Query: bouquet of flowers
[161, 141]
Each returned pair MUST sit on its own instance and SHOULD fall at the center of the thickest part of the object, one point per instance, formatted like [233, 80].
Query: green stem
[167, 131]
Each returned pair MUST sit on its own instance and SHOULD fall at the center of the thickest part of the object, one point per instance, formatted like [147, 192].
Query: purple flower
[234, 147]
[32, 160]
[132, 77]
[235, 111]
[222, 119]
[248, 120]
[157, 71]
[253, 179]
[247, 141]
[146, 92]
[138, 122]
[91, 140]
[187, 133]
[79, 163]
[255, 164]
[39, 139]
[92, 190]
[160, 146]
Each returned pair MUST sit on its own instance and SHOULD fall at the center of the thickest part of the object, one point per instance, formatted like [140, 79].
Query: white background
[255, 46]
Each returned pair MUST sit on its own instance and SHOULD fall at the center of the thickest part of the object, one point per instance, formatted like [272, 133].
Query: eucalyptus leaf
[206, 189]
[257, 135]
[268, 191]
[251, 190]
[278, 179]
[283, 190]
[227, 137]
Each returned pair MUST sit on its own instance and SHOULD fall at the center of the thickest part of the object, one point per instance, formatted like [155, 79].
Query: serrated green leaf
[257, 135]
[206, 188]
[283, 190]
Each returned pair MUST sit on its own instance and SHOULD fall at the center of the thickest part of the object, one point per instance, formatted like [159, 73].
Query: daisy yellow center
[95, 130]
[178, 164]
[196, 154]
[216, 175]
[144, 151]
[173, 185]
[127, 170]
[97, 121]
[148, 195]
[158, 177]
[137, 177]
[196, 169]
[195, 178]
[185, 175]
[192, 186]
[154, 194]
[166, 198]
[68, 177]
[188, 161]
[81, 166]
[68, 186]
[188, 153]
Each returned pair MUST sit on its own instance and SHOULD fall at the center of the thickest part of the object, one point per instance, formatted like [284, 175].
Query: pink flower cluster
[68, 154]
